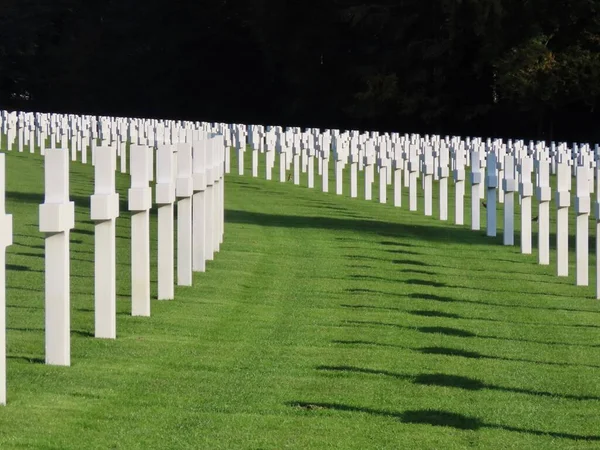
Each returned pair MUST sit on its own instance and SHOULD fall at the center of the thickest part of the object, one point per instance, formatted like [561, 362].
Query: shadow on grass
[27, 330]
[19, 268]
[388, 229]
[403, 252]
[457, 332]
[439, 314]
[446, 351]
[360, 266]
[438, 418]
[377, 308]
[27, 359]
[452, 381]
[395, 244]
[389, 280]
[369, 343]
[445, 299]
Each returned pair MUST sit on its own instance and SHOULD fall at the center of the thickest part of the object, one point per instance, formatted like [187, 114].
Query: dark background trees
[471, 67]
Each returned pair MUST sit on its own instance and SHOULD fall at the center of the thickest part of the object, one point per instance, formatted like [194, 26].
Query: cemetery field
[323, 322]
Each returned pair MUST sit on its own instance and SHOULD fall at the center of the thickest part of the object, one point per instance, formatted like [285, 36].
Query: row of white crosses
[81, 134]
[408, 157]
[190, 174]
[400, 160]
[498, 171]
[412, 156]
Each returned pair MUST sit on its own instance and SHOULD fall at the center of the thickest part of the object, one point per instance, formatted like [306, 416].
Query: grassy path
[324, 322]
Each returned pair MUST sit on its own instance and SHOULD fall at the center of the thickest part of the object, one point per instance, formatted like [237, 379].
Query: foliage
[452, 64]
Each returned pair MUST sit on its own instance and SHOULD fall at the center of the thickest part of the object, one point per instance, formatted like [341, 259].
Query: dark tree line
[527, 68]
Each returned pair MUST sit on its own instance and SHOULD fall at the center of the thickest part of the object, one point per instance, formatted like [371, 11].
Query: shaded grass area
[324, 322]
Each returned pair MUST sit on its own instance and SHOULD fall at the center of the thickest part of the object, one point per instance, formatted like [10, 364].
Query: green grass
[324, 322]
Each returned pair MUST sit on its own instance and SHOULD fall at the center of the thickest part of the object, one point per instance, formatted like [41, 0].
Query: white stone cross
[563, 201]
[459, 184]
[582, 210]
[308, 165]
[296, 158]
[353, 160]
[104, 210]
[218, 168]
[241, 144]
[509, 186]
[428, 170]
[476, 180]
[382, 163]
[200, 205]
[397, 167]
[544, 195]
[443, 175]
[280, 148]
[340, 161]
[525, 193]
[492, 184]
[165, 198]
[57, 218]
[597, 217]
[212, 214]
[413, 172]
[6, 236]
[140, 202]
[184, 192]
[325, 151]
[369, 161]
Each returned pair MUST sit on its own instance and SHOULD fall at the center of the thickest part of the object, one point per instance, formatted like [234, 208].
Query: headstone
[199, 205]
[500, 166]
[563, 201]
[211, 198]
[254, 161]
[310, 169]
[241, 150]
[369, 160]
[525, 193]
[282, 163]
[140, 202]
[413, 172]
[544, 196]
[444, 173]
[353, 160]
[6, 235]
[326, 149]
[184, 192]
[123, 157]
[428, 169]
[219, 187]
[104, 210]
[382, 163]
[492, 184]
[476, 180]
[165, 199]
[296, 162]
[398, 167]
[597, 217]
[582, 210]
[57, 218]
[459, 186]
[269, 159]
[339, 168]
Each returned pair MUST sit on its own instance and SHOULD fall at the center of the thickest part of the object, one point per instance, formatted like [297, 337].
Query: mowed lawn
[323, 322]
